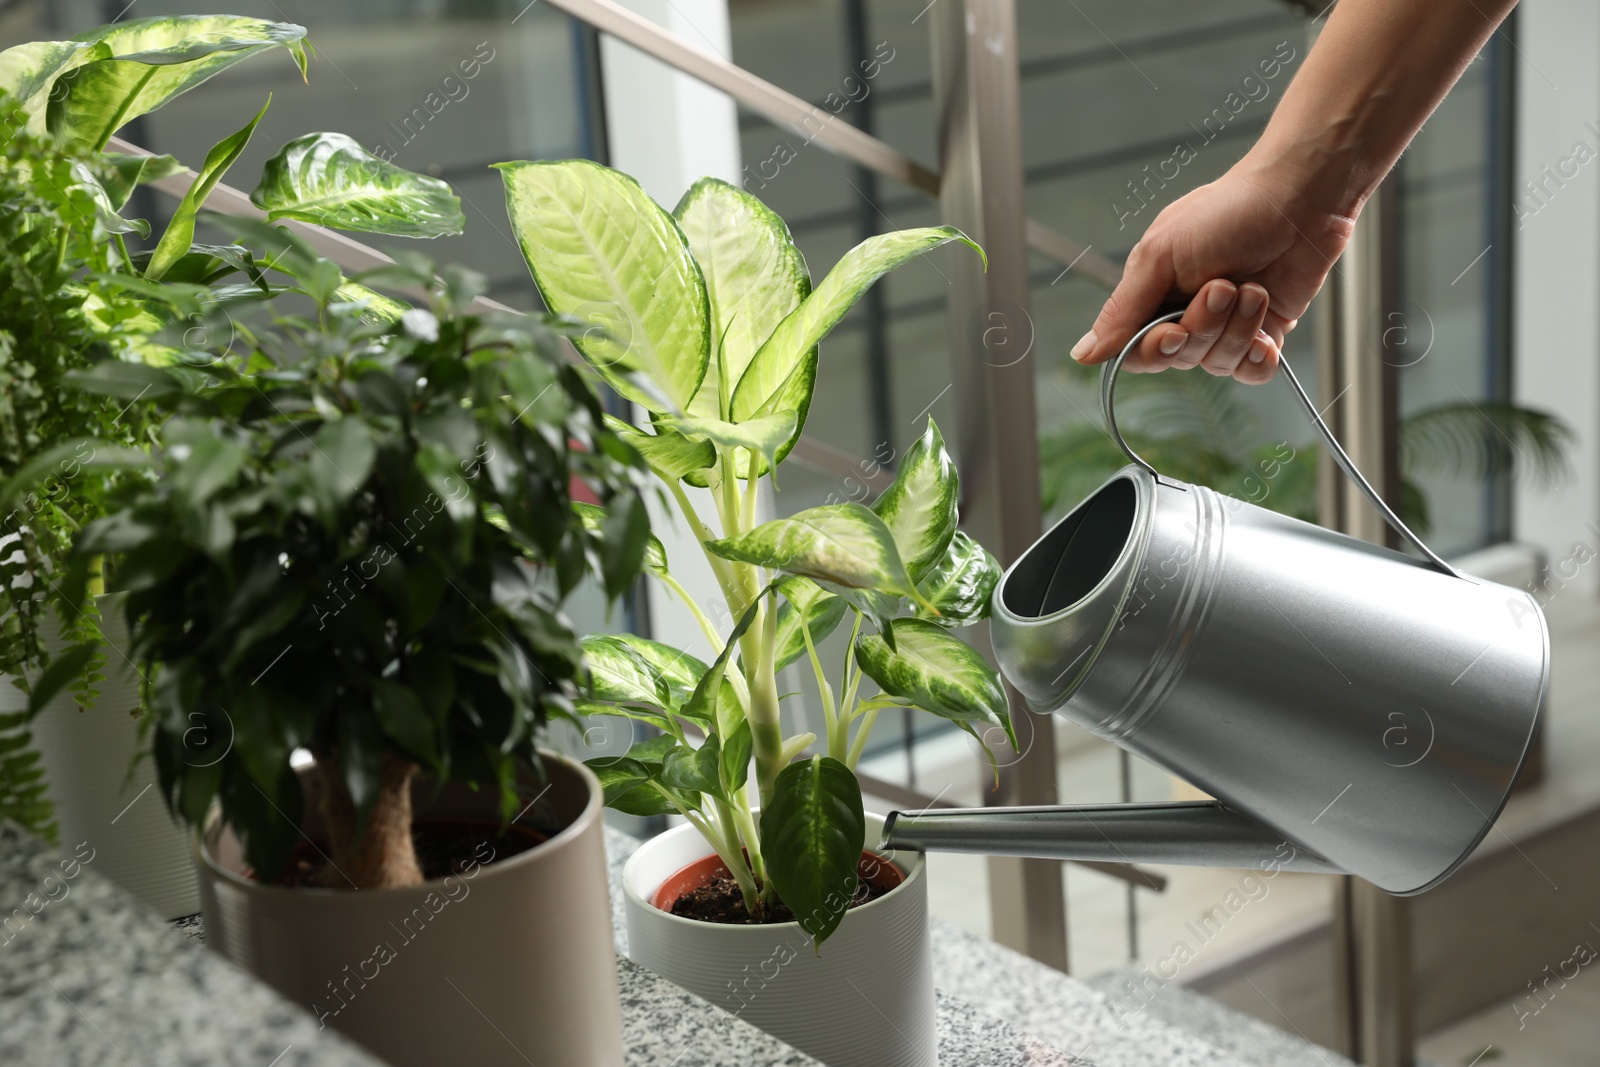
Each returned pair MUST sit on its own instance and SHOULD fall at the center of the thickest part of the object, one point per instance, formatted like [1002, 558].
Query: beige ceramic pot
[509, 962]
[101, 793]
[866, 1000]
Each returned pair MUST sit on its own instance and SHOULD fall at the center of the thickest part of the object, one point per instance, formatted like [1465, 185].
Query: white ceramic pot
[508, 963]
[865, 1001]
[101, 795]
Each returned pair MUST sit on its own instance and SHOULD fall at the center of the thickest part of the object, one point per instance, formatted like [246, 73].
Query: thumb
[1146, 281]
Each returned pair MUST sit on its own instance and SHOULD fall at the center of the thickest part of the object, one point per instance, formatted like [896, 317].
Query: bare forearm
[1377, 72]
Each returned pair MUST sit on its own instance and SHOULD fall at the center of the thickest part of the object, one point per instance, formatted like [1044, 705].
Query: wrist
[1317, 176]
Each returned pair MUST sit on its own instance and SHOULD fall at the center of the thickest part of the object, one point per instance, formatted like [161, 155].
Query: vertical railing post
[977, 101]
[1371, 929]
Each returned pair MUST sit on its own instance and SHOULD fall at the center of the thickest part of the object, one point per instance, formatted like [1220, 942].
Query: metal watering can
[1353, 709]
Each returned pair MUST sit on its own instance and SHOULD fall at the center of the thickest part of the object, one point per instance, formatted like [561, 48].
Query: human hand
[1253, 251]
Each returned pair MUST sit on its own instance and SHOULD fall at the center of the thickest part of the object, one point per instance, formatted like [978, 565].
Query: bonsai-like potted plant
[76, 296]
[356, 542]
[706, 319]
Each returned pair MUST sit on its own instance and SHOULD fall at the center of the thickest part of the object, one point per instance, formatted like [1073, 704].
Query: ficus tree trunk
[380, 854]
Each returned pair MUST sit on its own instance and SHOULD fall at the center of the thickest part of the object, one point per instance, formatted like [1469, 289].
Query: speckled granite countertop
[90, 979]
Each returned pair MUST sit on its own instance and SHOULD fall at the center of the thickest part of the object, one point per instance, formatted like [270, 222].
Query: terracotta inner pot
[874, 869]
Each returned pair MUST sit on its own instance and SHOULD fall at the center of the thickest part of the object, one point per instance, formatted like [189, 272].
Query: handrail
[793, 112]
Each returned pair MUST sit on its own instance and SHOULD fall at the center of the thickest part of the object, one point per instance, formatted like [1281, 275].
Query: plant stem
[830, 712]
[127, 259]
[766, 733]
[715, 639]
[860, 742]
[721, 568]
[746, 824]
[751, 483]
[741, 861]
[723, 844]
[837, 745]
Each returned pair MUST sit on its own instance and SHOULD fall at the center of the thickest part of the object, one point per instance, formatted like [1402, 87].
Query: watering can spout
[1196, 834]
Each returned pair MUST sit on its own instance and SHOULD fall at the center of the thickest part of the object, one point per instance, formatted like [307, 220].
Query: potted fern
[769, 901]
[357, 543]
[78, 296]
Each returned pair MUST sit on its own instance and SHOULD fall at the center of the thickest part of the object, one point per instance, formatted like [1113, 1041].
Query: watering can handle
[1108, 386]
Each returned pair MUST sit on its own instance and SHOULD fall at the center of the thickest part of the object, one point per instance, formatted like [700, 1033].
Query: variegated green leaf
[960, 584]
[174, 244]
[681, 671]
[787, 356]
[843, 543]
[754, 277]
[28, 68]
[618, 673]
[920, 506]
[602, 251]
[29, 71]
[106, 219]
[808, 602]
[764, 436]
[585, 706]
[152, 61]
[670, 455]
[594, 517]
[623, 784]
[937, 672]
[379, 308]
[330, 180]
[125, 173]
[812, 834]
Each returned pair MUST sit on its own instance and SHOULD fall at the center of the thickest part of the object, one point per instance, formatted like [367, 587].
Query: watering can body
[1351, 708]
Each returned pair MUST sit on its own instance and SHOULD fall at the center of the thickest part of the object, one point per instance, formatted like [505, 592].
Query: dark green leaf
[694, 769]
[625, 535]
[736, 750]
[961, 584]
[406, 721]
[812, 834]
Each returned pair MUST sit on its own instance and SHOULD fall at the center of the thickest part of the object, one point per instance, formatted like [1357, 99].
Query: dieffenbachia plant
[707, 320]
[82, 91]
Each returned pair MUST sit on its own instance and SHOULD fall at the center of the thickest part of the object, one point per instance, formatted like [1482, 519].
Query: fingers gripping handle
[1108, 388]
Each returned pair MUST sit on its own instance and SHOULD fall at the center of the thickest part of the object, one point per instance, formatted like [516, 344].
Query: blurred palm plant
[1196, 428]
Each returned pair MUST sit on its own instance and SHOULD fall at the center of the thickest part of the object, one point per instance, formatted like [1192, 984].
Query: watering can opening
[1350, 707]
[1070, 561]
